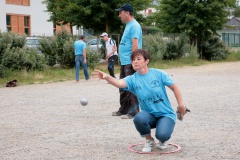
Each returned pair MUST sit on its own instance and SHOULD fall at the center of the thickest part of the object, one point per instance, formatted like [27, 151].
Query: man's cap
[104, 34]
[126, 7]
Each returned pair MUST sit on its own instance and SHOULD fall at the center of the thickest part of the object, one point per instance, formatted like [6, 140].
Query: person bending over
[148, 84]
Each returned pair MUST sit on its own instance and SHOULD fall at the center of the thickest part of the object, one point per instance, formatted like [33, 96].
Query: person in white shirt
[111, 52]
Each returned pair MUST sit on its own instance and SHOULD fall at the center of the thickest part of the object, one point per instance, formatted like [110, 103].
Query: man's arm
[134, 44]
[84, 56]
[114, 50]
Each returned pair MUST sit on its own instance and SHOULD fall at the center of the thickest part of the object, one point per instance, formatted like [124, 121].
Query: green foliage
[14, 56]
[236, 12]
[151, 30]
[193, 52]
[93, 59]
[2, 71]
[176, 49]
[171, 51]
[64, 48]
[18, 40]
[10, 40]
[22, 58]
[58, 49]
[234, 55]
[68, 57]
[155, 45]
[47, 46]
[214, 49]
[98, 15]
[193, 17]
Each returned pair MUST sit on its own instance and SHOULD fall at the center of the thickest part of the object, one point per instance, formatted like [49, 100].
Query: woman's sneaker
[162, 145]
[149, 144]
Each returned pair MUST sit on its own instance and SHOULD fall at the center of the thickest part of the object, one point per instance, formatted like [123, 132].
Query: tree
[236, 12]
[96, 14]
[198, 18]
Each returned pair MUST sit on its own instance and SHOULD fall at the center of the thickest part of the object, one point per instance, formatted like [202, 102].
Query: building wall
[38, 18]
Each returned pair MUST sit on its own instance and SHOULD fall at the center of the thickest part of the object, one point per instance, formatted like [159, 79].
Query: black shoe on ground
[117, 113]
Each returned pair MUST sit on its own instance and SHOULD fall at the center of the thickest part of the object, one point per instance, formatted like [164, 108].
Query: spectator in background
[81, 57]
[111, 53]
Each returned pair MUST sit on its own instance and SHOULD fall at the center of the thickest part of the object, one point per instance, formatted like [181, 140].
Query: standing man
[80, 57]
[131, 40]
[111, 55]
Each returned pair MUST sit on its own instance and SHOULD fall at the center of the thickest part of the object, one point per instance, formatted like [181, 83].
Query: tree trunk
[107, 27]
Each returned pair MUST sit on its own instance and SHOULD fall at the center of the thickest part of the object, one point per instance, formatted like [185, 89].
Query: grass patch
[167, 64]
[57, 74]
[234, 55]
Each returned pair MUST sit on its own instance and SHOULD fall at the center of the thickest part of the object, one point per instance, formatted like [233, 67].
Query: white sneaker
[149, 144]
[162, 145]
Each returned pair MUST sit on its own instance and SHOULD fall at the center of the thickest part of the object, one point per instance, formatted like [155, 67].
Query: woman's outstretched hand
[99, 74]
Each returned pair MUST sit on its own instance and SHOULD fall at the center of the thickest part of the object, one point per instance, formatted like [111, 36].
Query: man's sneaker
[149, 144]
[127, 116]
[162, 145]
[116, 113]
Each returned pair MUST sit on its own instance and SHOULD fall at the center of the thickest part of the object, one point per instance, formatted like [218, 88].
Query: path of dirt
[46, 121]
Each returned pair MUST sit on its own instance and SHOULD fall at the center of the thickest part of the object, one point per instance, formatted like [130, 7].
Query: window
[19, 2]
[18, 23]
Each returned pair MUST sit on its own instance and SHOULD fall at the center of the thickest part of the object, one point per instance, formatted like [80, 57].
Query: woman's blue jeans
[145, 121]
[79, 60]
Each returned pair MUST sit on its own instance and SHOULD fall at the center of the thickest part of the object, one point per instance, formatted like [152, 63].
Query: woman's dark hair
[142, 52]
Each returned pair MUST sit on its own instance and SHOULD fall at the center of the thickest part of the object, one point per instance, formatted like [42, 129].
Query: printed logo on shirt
[154, 99]
[155, 84]
[138, 88]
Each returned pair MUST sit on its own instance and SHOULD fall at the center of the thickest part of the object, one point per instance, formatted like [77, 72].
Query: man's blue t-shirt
[131, 31]
[79, 46]
[151, 92]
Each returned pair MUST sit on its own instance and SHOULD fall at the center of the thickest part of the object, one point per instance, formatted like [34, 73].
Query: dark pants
[128, 101]
[111, 61]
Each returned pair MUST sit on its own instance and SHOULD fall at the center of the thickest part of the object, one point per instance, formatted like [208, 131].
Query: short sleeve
[129, 83]
[166, 79]
[135, 32]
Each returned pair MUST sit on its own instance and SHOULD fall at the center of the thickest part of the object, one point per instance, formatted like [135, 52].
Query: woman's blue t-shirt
[151, 92]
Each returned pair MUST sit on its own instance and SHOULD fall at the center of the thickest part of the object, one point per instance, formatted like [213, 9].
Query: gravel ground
[46, 121]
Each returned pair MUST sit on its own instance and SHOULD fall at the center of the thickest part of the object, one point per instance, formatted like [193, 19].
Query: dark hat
[125, 7]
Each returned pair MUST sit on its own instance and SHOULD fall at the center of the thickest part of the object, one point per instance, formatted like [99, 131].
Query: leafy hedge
[15, 56]
[59, 49]
[214, 49]
[176, 49]
[155, 45]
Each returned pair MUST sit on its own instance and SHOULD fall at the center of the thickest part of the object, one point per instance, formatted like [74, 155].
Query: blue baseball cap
[126, 7]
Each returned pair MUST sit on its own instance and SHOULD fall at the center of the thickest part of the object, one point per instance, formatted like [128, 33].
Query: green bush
[171, 51]
[176, 49]
[61, 39]
[22, 58]
[47, 46]
[2, 71]
[93, 58]
[68, 57]
[155, 45]
[58, 49]
[214, 49]
[152, 30]
[193, 52]
[10, 40]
